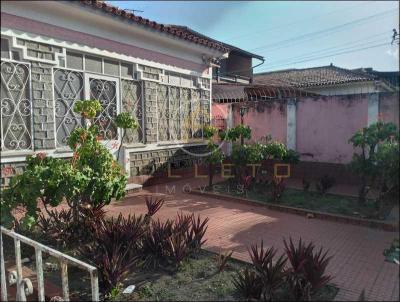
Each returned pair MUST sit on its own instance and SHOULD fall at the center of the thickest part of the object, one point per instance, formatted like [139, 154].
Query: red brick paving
[358, 262]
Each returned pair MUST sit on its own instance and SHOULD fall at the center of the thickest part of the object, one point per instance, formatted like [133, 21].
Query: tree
[92, 177]
[124, 121]
[369, 140]
[215, 155]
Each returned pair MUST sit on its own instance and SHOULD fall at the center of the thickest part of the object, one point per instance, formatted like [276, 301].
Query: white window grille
[16, 106]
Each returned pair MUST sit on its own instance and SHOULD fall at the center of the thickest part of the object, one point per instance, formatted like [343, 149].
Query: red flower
[41, 155]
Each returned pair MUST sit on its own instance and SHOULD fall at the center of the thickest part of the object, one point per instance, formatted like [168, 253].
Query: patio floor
[358, 262]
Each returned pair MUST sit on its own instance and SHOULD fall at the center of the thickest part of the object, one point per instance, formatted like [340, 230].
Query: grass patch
[328, 203]
[198, 280]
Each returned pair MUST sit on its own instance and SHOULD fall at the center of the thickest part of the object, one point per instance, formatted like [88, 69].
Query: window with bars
[181, 113]
[16, 106]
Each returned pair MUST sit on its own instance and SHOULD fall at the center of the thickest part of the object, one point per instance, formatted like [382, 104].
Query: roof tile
[309, 77]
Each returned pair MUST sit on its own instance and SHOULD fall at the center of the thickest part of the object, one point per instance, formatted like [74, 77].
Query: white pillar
[373, 108]
[229, 124]
[291, 124]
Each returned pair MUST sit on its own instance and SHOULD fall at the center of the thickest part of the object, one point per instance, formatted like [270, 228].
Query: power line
[335, 48]
[327, 56]
[297, 21]
[324, 31]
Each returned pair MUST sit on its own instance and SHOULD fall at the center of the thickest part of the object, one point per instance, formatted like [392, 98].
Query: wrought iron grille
[68, 88]
[186, 116]
[132, 102]
[162, 112]
[16, 106]
[106, 92]
[174, 113]
[197, 114]
[24, 285]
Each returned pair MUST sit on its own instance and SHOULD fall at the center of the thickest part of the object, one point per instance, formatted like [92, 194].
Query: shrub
[153, 205]
[114, 249]
[307, 273]
[209, 131]
[272, 274]
[306, 184]
[325, 183]
[196, 233]
[92, 177]
[222, 260]
[248, 284]
[365, 163]
[214, 157]
[278, 187]
[291, 156]
[155, 243]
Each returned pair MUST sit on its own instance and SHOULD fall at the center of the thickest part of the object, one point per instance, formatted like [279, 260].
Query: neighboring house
[54, 53]
[328, 80]
[314, 111]
[235, 68]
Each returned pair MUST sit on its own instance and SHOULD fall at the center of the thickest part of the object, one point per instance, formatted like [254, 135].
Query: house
[54, 53]
[314, 111]
[328, 80]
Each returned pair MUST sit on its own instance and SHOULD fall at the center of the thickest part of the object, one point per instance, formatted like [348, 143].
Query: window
[74, 60]
[16, 124]
[68, 88]
[5, 48]
[181, 113]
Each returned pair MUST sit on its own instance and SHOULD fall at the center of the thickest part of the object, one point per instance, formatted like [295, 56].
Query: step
[132, 188]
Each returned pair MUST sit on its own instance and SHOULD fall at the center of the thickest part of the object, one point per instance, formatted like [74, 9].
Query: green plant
[369, 139]
[271, 273]
[153, 206]
[387, 158]
[307, 273]
[325, 183]
[278, 186]
[306, 184]
[114, 248]
[248, 283]
[291, 157]
[87, 108]
[196, 232]
[209, 131]
[92, 177]
[222, 260]
[114, 293]
[233, 134]
[124, 121]
[215, 157]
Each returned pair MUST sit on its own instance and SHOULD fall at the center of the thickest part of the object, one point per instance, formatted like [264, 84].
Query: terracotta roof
[173, 31]
[234, 92]
[310, 77]
[230, 47]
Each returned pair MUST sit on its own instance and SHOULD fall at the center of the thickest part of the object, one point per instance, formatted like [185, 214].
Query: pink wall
[325, 125]
[389, 108]
[265, 120]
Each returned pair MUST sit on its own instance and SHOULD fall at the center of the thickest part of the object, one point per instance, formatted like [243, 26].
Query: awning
[233, 93]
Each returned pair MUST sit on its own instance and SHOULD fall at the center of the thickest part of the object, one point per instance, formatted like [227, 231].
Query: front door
[106, 91]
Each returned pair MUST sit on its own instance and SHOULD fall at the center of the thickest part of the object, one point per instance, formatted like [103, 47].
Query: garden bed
[197, 279]
[328, 206]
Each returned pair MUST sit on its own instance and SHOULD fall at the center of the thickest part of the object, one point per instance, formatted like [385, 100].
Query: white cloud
[393, 53]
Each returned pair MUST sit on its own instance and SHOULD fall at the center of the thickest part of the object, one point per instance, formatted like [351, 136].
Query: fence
[24, 285]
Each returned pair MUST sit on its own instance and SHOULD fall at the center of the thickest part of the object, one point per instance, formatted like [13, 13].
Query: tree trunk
[362, 193]
[210, 174]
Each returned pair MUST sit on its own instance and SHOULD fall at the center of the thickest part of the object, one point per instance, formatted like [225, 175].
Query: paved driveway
[358, 262]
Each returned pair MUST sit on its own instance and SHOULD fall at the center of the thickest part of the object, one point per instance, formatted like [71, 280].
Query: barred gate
[24, 285]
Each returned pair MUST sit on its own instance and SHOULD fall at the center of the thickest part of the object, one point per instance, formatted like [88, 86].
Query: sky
[290, 34]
